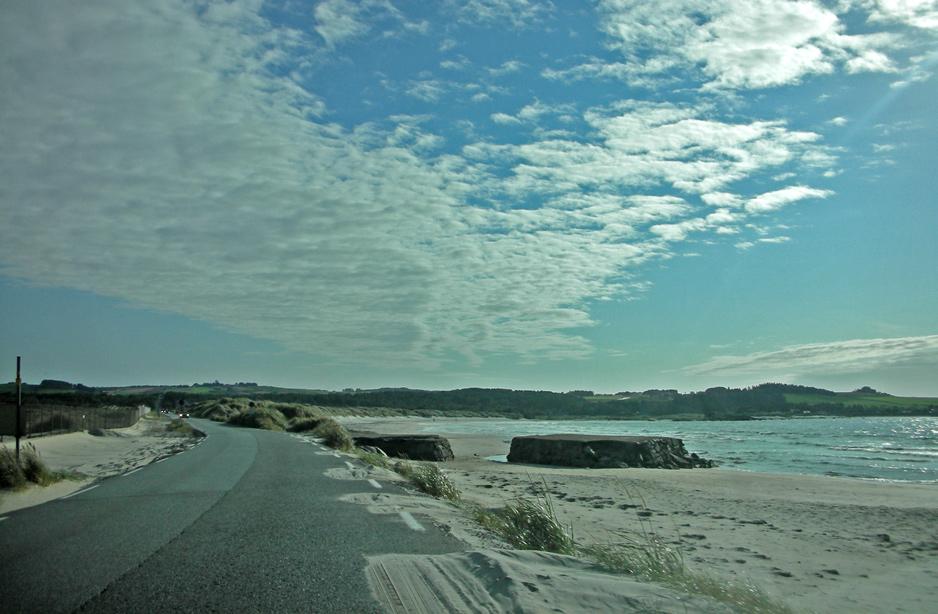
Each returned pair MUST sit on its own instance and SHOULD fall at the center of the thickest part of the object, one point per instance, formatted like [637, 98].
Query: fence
[49, 419]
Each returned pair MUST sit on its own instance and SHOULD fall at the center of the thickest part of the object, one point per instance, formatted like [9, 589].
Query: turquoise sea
[898, 449]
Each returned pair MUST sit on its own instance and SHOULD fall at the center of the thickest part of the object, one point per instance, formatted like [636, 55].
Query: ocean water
[895, 449]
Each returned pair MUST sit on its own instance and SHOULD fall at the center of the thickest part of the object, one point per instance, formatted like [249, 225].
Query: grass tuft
[34, 468]
[647, 557]
[429, 479]
[11, 473]
[30, 468]
[334, 435]
[530, 524]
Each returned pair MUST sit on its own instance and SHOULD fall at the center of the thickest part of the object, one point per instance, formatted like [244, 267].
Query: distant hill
[719, 403]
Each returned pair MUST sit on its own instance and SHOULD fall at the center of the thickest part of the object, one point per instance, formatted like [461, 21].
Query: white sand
[119, 451]
[816, 543]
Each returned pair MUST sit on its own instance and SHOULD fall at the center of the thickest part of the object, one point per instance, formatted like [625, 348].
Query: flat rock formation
[603, 451]
[414, 447]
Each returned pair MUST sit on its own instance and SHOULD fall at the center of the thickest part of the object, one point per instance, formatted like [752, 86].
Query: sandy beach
[90, 457]
[820, 544]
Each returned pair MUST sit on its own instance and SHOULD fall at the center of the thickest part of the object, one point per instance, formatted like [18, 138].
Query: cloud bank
[838, 357]
[183, 158]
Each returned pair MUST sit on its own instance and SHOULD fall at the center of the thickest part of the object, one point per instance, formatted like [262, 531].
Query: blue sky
[610, 195]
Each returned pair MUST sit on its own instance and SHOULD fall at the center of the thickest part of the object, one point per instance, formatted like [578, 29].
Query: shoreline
[818, 543]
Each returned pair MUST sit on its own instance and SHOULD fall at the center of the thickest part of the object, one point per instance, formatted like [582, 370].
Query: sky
[607, 195]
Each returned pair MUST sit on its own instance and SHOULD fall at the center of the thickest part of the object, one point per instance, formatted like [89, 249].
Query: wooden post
[19, 407]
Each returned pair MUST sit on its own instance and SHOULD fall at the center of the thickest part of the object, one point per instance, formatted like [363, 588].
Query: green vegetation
[301, 425]
[529, 524]
[29, 468]
[428, 479]
[223, 402]
[334, 434]
[181, 427]
[652, 560]
[260, 418]
[11, 472]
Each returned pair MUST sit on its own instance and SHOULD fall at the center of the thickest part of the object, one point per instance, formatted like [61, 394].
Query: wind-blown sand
[819, 544]
[93, 457]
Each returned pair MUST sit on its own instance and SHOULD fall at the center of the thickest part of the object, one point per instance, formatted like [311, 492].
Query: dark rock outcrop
[602, 451]
[414, 447]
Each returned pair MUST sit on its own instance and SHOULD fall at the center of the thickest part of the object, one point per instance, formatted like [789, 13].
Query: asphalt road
[246, 521]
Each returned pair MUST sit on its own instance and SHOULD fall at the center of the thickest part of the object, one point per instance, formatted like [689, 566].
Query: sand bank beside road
[93, 457]
[816, 543]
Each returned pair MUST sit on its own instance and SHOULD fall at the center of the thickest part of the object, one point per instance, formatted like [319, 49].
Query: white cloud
[838, 121]
[919, 13]
[338, 21]
[506, 68]
[743, 44]
[428, 90]
[772, 201]
[341, 21]
[459, 64]
[219, 192]
[721, 199]
[515, 13]
[838, 357]
[644, 144]
[870, 61]
[504, 118]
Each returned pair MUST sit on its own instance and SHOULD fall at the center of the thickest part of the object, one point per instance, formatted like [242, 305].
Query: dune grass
[529, 524]
[532, 524]
[260, 418]
[648, 558]
[334, 435]
[428, 479]
[304, 424]
[30, 468]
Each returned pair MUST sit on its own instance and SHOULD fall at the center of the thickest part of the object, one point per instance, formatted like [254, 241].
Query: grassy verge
[29, 468]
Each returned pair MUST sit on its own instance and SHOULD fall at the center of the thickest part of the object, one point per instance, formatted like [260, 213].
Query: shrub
[334, 434]
[260, 418]
[180, 427]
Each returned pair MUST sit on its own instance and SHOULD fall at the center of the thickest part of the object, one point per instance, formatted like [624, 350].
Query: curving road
[245, 521]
